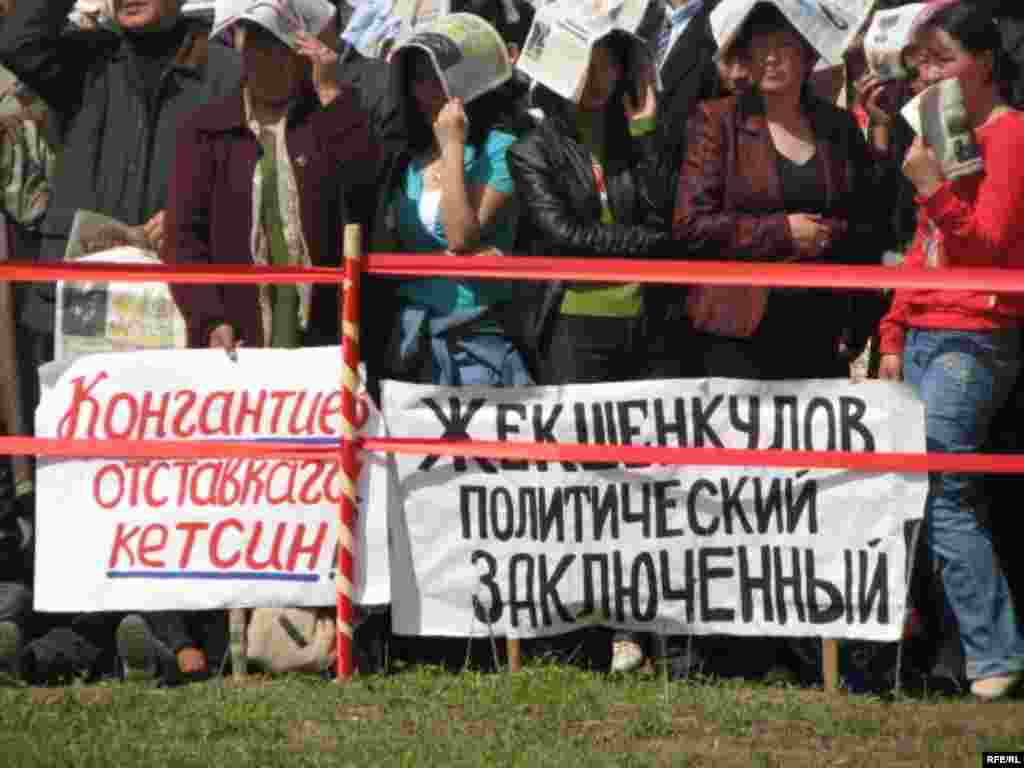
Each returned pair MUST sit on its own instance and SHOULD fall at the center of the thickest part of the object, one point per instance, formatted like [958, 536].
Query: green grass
[543, 716]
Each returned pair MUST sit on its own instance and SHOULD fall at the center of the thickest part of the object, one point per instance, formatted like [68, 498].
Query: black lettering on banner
[623, 591]
[685, 592]
[599, 438]
[851, 414]
[825, 406]
[834, 609]
[768, 508]
[692, 507]
[527, 513]
[504, 428]
[878, 591]
[732, 505]
[643, 568]
[503, 521]
[644, 515]
[552, 515]
[606, 511]
[848, 595]
[750, 584]
[544, 432]
[590, 594]
[575, 496]
[707, 574]
[663, 427]
[491, 612]
[548, 592]
[793, 582]
[664, 504]
[807, 498]
[456, 427]
[466, 511]
[703, 433]
[751, 426]
[781, 402]
[521, 583]
[627, 431]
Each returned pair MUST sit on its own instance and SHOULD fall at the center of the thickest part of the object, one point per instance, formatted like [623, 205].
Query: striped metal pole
[349, 307]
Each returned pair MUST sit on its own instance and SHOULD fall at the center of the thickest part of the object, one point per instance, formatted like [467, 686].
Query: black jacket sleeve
[540, 186]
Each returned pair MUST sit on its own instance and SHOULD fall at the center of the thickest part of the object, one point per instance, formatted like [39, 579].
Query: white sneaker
[997, 687]
[627, 655]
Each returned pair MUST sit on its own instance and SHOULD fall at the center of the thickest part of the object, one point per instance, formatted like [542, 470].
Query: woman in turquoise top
[450, 190]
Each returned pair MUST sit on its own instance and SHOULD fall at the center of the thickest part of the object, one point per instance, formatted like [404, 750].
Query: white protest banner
[830, 26]
[150, 534]
[542, 548]
[468, 54]
[563, 34]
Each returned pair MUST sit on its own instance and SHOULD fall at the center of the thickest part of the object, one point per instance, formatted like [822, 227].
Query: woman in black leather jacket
[585, 176]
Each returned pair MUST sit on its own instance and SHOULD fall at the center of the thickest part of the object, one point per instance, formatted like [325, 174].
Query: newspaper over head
[887, 39]
[938, 115]
[559, 44]
[468, 54]
[284, 19]
[830, 26]
[105, 316]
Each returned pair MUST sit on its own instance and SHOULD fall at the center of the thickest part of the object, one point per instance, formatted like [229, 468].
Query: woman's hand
[645, 106]
[315, 50]
[923, 169]
[223, 337]
[880, 98]
[890, 367]
[154, 230]
[813, 234]
[451, 128]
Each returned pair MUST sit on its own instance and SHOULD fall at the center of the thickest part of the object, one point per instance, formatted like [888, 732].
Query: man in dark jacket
[118, 97]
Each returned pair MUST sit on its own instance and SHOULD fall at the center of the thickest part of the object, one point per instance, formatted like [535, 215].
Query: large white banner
[525, 548]
[150, 534]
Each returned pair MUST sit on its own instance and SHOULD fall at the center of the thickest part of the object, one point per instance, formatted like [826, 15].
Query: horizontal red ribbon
[537, 268]
[552, 452]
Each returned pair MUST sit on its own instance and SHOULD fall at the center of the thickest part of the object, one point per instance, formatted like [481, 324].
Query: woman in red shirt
[961, 350]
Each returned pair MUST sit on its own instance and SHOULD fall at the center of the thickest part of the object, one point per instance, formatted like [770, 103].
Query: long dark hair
[485, 113]
[975, 29]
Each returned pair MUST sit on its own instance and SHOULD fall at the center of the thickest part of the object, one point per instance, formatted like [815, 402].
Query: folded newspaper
[830, 26]
[887, 39]
[563, 34]
[110, 316]
[937, 114]
[468, 54]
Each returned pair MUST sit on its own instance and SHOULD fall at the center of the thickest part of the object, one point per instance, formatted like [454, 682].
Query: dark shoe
[59, 656]
[135, 649]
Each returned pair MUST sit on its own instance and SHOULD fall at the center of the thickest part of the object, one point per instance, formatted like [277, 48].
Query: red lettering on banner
[294, 427]
[306, 495]
[150, 498]
[218, 531]
[182, 411]
[80, 396]
[331, 407]
[159, 414]
[275, 550]
[229, 489]
[182, 466]
[191, 529]
[279, 397]
[146, 548]
[299, 548]
[205, 495]
[254, 481]
[252, 412]
[134, 468]
[288, 496]
[97, 484]
[332, 484]
[132, 416]
[122, 543]
[226, 399]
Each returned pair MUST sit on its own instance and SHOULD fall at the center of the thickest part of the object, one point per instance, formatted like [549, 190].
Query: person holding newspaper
[961, 350]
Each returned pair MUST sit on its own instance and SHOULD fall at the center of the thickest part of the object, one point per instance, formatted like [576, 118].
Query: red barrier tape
[537, 268]
[629, 454]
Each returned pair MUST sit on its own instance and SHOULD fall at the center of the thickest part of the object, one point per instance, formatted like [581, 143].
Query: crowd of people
[673, 150]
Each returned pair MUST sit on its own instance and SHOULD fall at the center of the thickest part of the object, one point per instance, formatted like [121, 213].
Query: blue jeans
[964, 377]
